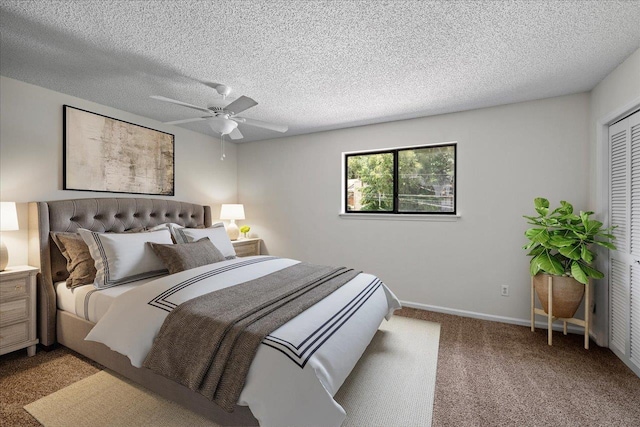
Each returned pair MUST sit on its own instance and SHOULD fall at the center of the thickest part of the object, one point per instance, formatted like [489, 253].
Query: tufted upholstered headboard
[98, 214]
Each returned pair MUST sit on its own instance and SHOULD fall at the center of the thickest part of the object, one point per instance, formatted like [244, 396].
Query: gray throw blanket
[208, 343]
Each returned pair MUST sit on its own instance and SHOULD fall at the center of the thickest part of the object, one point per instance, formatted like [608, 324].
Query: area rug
[392, 385]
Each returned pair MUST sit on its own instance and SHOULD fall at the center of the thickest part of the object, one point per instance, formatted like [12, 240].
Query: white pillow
[171, 226]
[166, 225]
[216, 233]
[124, 257]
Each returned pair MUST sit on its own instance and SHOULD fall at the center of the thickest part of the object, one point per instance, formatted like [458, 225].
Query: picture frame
[105, 154]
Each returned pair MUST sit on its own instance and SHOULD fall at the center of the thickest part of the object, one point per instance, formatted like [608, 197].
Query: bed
[278, 388]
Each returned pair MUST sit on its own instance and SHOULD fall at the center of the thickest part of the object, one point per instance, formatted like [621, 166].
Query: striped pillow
[124, 258]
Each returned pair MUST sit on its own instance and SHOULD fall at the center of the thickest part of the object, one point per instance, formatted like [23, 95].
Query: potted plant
[559, 245]
[244, 230]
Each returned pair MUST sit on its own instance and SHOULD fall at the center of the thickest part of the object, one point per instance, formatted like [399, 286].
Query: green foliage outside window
[375, 171]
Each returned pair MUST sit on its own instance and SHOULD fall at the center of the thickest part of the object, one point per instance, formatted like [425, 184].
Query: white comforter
[299, 367]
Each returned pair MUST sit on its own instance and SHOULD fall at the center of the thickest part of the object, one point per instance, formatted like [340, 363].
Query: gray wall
[507, 155]
[31, 156]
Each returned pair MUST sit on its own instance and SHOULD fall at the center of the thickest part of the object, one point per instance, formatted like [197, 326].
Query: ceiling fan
[224, 119]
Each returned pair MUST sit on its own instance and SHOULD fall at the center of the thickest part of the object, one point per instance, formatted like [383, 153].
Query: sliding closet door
[624, 205]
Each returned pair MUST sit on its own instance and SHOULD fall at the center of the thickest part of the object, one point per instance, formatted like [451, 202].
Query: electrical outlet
[504, 291]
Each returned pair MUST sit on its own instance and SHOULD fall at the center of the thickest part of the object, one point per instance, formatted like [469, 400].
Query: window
[416, 180]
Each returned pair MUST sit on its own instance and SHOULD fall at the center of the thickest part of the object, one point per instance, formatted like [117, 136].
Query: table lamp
[8, 222]
[232, 212]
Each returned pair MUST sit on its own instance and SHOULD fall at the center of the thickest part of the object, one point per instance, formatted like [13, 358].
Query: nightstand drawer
[246, 250]
[18, 296]
[13, 288]
[14, 334]
[247, 247]
[13, 311]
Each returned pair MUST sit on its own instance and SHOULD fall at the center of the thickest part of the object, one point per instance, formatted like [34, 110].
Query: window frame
[395, 153]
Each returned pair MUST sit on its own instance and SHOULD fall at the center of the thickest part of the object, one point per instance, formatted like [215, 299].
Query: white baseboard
[493, 318]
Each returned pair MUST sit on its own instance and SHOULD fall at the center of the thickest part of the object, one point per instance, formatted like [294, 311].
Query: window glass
[425, 180]
[370, 183]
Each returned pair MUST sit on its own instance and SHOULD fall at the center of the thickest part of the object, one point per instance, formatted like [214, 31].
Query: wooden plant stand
[550, 318]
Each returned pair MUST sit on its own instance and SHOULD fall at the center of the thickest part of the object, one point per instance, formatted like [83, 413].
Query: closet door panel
[619, 185]
[624, 214]
[619, 295]
[634, 291]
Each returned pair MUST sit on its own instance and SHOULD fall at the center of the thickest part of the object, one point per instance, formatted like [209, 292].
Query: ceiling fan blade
[261, 124]
[240, 104]
[184, 104]
[236, 134]
[178, 122]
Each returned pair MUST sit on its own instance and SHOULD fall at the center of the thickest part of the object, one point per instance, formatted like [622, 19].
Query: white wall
[507, 155]
[31, 156]
[614, 94]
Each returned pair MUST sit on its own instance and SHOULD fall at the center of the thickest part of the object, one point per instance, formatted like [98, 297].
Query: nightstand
[247, 247]
[18, 309]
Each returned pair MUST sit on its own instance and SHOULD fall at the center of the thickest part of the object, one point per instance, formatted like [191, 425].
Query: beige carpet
[494, 374]
[401, 360]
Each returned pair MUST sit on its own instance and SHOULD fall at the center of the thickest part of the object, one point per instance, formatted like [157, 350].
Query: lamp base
[4, 256]
[232, 230]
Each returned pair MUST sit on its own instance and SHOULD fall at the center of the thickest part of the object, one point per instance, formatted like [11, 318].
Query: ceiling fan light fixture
[223, 120]
[221, 125]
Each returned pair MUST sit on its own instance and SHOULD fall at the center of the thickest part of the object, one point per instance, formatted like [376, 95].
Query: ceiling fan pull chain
[222, 147]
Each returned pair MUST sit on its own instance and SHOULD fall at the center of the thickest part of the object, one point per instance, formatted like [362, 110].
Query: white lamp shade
[221, 125]
[8, 216]
[232, 212]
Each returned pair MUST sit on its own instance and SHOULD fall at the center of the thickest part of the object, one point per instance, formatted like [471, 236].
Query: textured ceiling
[316, 65]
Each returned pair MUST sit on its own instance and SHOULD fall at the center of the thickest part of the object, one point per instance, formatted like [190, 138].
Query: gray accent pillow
[185, 256]
[80, 265]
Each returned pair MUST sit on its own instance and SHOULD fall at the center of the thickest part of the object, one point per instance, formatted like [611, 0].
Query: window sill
[401, 217]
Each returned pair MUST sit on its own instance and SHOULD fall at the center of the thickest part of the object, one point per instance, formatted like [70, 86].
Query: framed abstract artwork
[110, 155]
